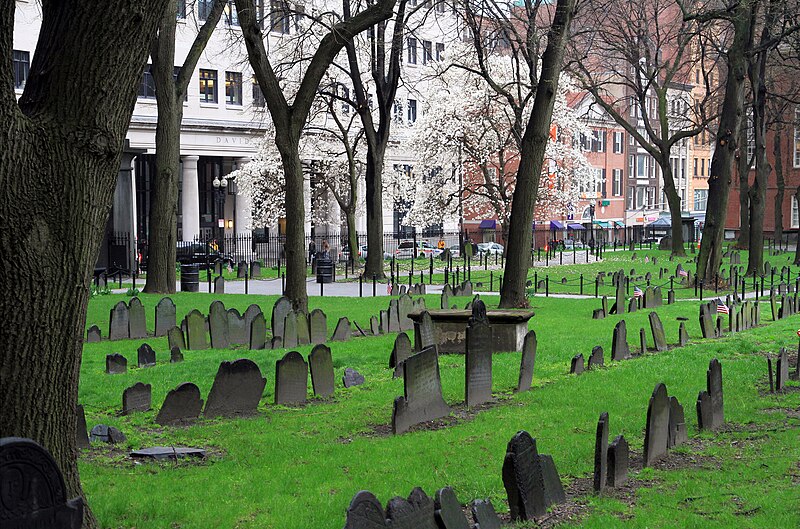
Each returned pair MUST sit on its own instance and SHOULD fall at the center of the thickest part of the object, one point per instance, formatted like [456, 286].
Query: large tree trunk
[374, 201]
[352, 235]
[743, 171]
[534, 142]
[674, 202]
[779, 180]
[59, 160]
[294, 247]
[797, 242]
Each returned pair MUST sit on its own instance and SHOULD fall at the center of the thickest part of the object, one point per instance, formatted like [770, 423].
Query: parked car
[200, 254]
[405, 250]
[569, 244]
[362, 253]
[491, 248]
[455, 251]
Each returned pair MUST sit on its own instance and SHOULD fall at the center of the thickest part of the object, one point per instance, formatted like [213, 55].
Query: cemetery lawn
[299, 467]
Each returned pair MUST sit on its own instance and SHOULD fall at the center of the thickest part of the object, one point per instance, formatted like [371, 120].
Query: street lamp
[591, 217]
[220, 184]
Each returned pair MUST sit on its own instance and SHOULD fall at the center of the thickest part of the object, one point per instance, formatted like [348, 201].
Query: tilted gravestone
[618, 460]
[365, 512]
[136, 398]
[118, 322]
[604, 306]
[677, 424]
[93, 334]
[196, 331]
[619, 342]
[424, 332]
[258, 332]
[657, 330]
[384, 321]
[417, 512]
[181, 404]
[342, 331]
[279, 311]
[530, 479]
[577, 364]
[219, 285]
[374, 325]
[596, 358]
[445, 299]
[175, 338]
[447, 510]
[781, 371]
[290, 330]
[175, 355]
[34, 494]
[683, 336]
[318, 326]
[146, 357]
[237, 389]
[598, 314]
[103, 433]
[600, 475]
[394, 316]
[82, 438]
[422, 400]
[116, 364]
[165, 316]
[478, 351]
[320, 363]
[291, 379]
[400, 351]
[657, 429]
[484, 515]
[710, 405]
[303, 332]
[527, 362]
[137, 323]
[352, 378]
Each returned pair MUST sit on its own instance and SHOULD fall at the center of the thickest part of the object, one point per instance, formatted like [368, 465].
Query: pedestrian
[312, 249]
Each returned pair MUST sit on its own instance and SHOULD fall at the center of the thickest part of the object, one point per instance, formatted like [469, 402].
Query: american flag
[389, 287]
[637, 292]
[683, 273]
[722, 308]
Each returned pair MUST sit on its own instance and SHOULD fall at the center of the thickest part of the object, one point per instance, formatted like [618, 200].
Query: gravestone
[118, 322]
[604, 305]
[400, 351]
[657, 329]
[657, 429]
[774, 306]
[82, 437]
[530, 479]
[619, 342]
[683, 336]
[318, 326]
[642, 341]
[677, 424]
[365, 512]
[403, 290]
[146, 357]
[447, 510]
[320, 363]
[276, 343]
[238, 332]
[136, 398]
[445, 299]
[404, 306]
[116, 364]
[258, 332]
[484, 515]
[219, 285]
[352, 378]
[137, 323]
[598, 314]
[618, 460]
[175, 355]
[237, 388]
[478, 351]
[196, 331]
[620, 294]
[649, 298]
[175, 338]
[577, 364]
[281, 308]
[417, 512]
[596, 358]
[781, 371]
[342, 331]
[303, 331]
[103, 433]
[255, 269]
[424, 332]
[600, 475]
[181, 404]
[165, 316]
[374, 325]
[710, 405]
[291, 379]
[218, 267]
[290, 330]
[422, 400]
[670, 297]
[241, 270]
[384, 321]
[249, 315]
[394, 316]
[527, 362]
[34, 494]
[706, 321]
[633, 304]
[93, 334]
[163, 453]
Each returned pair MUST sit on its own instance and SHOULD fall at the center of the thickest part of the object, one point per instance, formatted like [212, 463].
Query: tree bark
[59, 159]
[674, 202]
[373, 198]
[534, 142]
[779, 180]
[743, 171]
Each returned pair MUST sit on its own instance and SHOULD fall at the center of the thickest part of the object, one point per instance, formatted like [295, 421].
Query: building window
[233, 88]
[795, 213]
[204, 8]
[427, 51]
[412, 110]
[617, 183]
[181, 9]
[601, 182]
[147, 90]
[231, 16]
[598, 141]
[701, 196]
[797, 137]
[411, 44]
[619, 141]
[208, 86]
[440, 6]
[439, 49]
[397, 110]
[22, 62]
[258, 95]
[279, 17]
[299, 17]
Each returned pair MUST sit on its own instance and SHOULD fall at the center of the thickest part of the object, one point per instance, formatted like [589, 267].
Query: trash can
[324, 269]
[190, 278]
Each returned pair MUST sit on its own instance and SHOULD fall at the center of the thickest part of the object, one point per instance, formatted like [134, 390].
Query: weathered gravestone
[706, 321]
[34, 494]
[146, 357]
[596, 358]
[241, 270]
[577, 364]
[619, 342]
[281, 308]
[417, 512]
[318, 326]
[400, 351]
[374, 325]
[656, 431]
[384, 321]
[633, 304]
[649, 298]
[781, 371]
[478, 350]
[604, 306]
[237, 389]
[82, 437]
[642, 341]
[175, 338]
[394, 316]
[175, 355]
[276, 342]
[773, 304]
[447, 510]
[484, 515]
[258, 332]
[219, 285]
[163, 453]
[137, 323]
[657, 330]
[600, 475]
[683, 336]
[677, 424]
[424, 332]
[290, 330]
[118, 322]
[404, 306]
[291, 379]
[237, 330]
[93, 334]
[445, 299]
[116, 364]
[422, 400]
[255, 269]
[165, 316]
[618, 459]
[342, 331]
[196, 331]
[530, 479]
[136, 398]
[352, 378]
[181, 404]
[320, 363]
[303, 331]
[527, 362]
[620, 294]
[710, 405]
[365, 512]
[598, 314]
[103, 433]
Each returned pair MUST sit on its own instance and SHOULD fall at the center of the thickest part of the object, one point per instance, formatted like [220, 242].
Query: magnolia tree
[467, 154]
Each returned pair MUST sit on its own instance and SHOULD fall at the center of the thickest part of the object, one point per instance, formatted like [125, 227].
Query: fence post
[535, 281]
[430, 272]
[374, 285]
[410, 277]
[283, 284]
[491, 281]
[581, 284]
[246, 286]
[321, 288]
[361, 285]
[701, 290]
[547, 285]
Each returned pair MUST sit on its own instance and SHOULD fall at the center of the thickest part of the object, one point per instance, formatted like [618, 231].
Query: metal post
[596, 287]
[491, 281]
[374, 286]
[246, 286]
[547, 285]
[701, 290]
[361, 285]
[535, 281]
[581, 284]
[321, 288]
[283, 284]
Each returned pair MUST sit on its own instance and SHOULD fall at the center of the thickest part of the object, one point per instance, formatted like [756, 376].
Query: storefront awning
[602, 223]
[575, 226]
[555, 225]
[618, 224]
[487, 224]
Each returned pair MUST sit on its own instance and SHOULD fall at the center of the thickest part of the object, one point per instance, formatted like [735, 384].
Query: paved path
[272, 287]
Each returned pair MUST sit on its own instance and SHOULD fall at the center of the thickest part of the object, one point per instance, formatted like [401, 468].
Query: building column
[190, 203]
[244, 208]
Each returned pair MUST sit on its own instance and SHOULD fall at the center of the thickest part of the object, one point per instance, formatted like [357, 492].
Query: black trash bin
[324, 268]
[190, 278]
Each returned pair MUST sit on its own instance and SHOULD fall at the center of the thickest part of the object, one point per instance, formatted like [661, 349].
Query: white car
[405, 250]
[492, 248]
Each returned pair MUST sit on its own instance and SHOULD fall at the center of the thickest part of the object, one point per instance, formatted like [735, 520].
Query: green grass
[299, 467]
